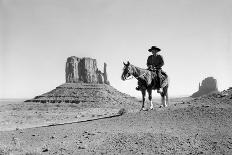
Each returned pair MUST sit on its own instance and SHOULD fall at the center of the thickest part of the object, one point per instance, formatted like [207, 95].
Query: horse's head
[127, 71]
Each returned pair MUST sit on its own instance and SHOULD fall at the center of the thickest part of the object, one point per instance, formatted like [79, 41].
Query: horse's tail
[166, 81]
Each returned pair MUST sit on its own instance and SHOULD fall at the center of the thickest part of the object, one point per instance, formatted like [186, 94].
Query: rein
[140, 75]
[132, 76]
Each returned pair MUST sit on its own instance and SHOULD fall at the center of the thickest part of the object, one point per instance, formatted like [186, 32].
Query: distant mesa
[86, 84]
[207, 86]
[84, 70]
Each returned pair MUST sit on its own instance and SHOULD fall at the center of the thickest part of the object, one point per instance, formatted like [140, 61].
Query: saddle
[163, 78]
[150, 79]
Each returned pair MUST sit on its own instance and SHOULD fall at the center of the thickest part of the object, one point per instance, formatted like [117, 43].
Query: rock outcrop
[87, 85]
[84, 70]
[207, 86]
[105, 75]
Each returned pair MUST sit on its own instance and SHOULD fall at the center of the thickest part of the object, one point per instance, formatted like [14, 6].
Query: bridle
[129, 77]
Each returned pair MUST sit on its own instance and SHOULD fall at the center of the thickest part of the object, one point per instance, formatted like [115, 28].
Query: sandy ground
[28, 115]
[202, 126]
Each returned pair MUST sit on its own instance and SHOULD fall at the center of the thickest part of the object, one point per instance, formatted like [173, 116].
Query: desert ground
[187, 126]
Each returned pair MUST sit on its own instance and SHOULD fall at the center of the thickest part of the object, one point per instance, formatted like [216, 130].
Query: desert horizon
[37, 38]
[104, 77]
[187, 125]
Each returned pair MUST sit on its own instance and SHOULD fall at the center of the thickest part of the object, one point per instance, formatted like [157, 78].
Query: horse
[146, 80]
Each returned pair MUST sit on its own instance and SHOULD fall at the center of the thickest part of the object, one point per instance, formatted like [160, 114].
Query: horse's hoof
[144, 109]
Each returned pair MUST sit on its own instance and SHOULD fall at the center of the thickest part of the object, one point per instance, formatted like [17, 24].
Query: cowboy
[155, 63]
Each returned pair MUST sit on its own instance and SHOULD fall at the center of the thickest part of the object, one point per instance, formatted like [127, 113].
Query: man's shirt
[155, 61]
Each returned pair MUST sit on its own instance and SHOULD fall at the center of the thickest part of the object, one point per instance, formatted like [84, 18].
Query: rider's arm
[161, 62]
[149, 63]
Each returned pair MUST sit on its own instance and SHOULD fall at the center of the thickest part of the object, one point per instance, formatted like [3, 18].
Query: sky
[37, 36]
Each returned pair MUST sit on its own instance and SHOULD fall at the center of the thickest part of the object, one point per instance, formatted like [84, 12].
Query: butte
[87, 85]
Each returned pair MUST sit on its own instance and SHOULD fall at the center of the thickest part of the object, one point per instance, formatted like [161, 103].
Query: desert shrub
[30, 108]
[43, 101]
[15, 108]
[72, 105]
[122, 111]
[58, 105]
[32, 153]
[8, 150]
[2, 151]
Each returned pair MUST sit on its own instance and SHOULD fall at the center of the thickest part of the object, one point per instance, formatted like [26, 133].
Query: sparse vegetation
[30, 108]
[16, 148]
[122, 111]
[187, 126]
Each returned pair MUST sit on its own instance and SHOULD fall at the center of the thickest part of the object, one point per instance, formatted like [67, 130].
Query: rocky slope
[98, 95]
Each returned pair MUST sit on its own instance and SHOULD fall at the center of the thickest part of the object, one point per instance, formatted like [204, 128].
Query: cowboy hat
[154, 48]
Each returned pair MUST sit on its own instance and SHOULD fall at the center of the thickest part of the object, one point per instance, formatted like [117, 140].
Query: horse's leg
[166, 94]
[162, 100]
[150, 98]
[143, 97]
[164, 97]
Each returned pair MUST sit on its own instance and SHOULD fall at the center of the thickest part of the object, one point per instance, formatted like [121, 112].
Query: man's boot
[138, 88]
[159, 90]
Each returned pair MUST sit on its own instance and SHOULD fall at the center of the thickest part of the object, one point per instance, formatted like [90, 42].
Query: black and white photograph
[115, 77]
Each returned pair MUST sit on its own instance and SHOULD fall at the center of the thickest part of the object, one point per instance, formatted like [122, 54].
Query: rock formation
[207, 86]
[84, 70]
[105, 75]
[71, 70]
[87, 85]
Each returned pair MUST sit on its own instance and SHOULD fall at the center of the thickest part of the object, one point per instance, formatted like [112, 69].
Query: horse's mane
[139, 69]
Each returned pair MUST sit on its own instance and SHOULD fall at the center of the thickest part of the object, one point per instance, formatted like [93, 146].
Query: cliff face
[105, 76]
[71, 70]
[208, 85]
[84, 70]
